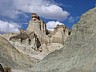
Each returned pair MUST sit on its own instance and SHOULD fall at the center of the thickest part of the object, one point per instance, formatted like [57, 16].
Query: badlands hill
[79, 51]
[10, 56]
[78, 54]
[25, 48]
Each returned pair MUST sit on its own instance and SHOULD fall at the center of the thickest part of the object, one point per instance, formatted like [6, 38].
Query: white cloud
[43, 8]
[51, 24]
[8, 9]
[6, 27]
[72, 19]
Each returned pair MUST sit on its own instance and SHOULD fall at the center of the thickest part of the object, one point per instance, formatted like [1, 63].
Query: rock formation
[9, 55]
[59, 34]
[33, 44]
[36, 25]
[37, 37]
[39, 27]
[22, 36]
[79, 51]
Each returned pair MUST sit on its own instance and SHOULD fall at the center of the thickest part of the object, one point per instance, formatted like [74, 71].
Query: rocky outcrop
[33, 44]
[9, 55]
[39, 27]
[36, 25]
[59, 34]
[79, 51]
[37, 37]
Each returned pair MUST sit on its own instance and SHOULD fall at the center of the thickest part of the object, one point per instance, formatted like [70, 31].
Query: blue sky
[15, 14]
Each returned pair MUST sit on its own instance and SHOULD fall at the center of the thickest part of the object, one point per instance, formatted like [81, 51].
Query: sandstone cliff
[79, 51]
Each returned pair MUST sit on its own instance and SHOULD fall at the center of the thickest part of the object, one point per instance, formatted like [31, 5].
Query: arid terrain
[62, 50]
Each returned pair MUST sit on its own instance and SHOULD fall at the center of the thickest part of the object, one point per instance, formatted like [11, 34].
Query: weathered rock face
[79, 52]
[34, 43]
[39, 27]
[36, 25]
[9, 55]
[59, 34]
[36, 37]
